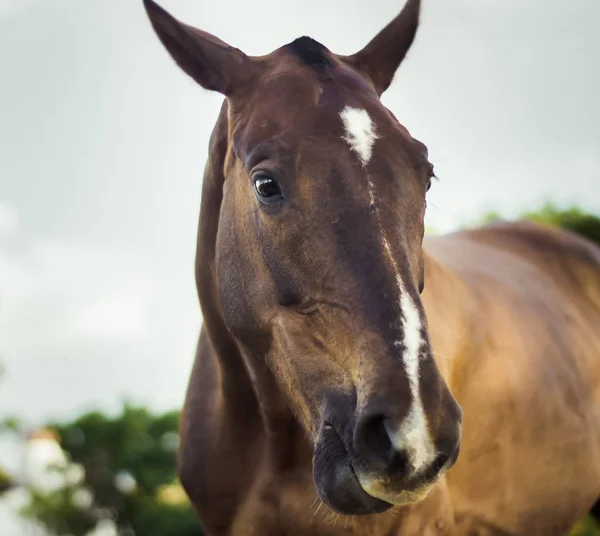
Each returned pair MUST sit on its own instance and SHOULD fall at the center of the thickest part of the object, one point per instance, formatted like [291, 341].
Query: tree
[6, 482]
[120, 469]
[574, 219]
[6, 425]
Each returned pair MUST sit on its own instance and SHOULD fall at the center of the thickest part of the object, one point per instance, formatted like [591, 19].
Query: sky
[103, 141]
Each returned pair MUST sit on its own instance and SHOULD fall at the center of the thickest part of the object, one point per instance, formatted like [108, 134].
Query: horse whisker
[442, 356]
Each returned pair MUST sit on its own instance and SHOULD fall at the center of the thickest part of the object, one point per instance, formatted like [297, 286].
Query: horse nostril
[373, 444]
[440, 461]
[436, 466]
[373, 439]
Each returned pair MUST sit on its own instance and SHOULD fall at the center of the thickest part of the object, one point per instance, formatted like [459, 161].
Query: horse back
[570, 260]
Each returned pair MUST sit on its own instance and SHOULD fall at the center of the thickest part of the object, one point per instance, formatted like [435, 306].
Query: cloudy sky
[103, 141]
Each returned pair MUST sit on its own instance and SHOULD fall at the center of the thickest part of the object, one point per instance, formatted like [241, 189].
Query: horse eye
[428, 185]
[266, 188]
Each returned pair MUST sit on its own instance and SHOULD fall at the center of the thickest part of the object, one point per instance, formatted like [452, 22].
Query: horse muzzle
[377, 466]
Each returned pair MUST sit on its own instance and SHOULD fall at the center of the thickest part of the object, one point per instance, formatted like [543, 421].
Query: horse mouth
[401, 498]
[336, 480]
[349, 492]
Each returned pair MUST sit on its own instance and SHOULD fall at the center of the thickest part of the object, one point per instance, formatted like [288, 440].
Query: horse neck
[447, 300]
[246, 386]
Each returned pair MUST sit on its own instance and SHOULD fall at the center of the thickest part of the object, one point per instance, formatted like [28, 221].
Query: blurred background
[102, 147]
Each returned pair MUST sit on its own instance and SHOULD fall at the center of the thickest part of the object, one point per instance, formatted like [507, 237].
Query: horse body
[344, 359]
[525, 371]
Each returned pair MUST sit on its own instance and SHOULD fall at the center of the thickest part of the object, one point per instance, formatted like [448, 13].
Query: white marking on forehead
[360, 132]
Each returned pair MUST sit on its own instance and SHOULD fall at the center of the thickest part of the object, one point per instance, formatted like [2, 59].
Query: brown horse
[338, 343]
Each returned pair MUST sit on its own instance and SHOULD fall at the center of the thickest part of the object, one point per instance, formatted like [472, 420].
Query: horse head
[316, 256]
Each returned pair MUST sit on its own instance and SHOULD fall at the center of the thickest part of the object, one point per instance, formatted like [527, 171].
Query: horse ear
[209, 61]
[380, 58]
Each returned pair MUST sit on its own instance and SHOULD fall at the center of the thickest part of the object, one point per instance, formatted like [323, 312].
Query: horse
[354, 375]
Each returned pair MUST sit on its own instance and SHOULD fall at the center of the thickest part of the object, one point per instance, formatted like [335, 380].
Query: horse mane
[312, 53]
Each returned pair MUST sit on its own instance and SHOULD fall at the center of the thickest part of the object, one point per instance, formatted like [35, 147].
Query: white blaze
[413, 435]
[360, 132]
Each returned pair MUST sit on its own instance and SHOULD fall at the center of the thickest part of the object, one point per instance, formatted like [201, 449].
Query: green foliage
[586, 527]
[8, 424]
[574, 219]
[129, 476]
[491, 217]
[6, 482]
[59, 512]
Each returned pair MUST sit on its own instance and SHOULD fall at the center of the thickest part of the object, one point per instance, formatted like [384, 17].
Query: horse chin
[337, 483]
[393, 497]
